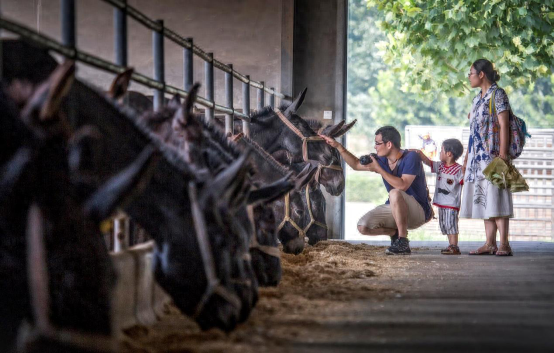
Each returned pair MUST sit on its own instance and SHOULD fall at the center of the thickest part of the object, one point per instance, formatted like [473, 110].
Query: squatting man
[408, 206]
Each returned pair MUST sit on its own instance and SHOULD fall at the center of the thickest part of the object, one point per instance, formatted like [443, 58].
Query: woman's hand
[330, 141]
[505, 157]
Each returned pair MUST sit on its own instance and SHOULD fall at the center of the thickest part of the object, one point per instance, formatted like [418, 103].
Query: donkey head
[294, 141]
[264, 247]
[80, 270]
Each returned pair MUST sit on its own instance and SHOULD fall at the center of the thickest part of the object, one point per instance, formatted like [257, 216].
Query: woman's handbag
[505, 176]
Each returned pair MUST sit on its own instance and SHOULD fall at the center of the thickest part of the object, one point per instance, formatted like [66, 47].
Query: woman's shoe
[504, 250]
[485, 250]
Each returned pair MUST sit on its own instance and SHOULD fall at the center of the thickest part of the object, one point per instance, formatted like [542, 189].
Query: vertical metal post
[209, 72]
[261, 96]
[120, 35]
[272, 98]
[121, 232]
[158, 52]
[187, 69]
[246, 106]
[68, 23]
[1, 50]
[69, 38]
[551, 192]
[229, 127]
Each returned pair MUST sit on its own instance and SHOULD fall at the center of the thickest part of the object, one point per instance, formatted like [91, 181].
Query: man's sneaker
[401, 246]
[394, 237]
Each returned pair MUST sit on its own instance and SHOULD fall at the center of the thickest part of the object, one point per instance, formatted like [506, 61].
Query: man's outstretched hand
[330, 141]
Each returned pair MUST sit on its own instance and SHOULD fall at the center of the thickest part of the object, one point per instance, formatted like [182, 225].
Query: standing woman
[489, 138]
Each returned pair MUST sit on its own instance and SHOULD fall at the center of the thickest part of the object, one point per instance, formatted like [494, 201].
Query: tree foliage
[377, 93]
[430, 44]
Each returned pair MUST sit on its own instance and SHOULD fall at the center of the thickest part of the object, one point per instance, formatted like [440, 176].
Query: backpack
[518, 130]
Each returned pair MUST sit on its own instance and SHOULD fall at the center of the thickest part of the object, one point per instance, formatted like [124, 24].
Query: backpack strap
[492, 103]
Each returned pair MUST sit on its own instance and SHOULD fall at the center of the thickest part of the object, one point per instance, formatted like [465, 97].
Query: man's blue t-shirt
[410, 163]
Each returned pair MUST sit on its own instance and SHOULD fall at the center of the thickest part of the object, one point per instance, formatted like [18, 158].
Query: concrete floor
[425, 302]
[453, 303]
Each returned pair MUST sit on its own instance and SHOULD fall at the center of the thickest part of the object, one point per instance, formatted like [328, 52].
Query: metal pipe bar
[36, 37]
[105, 65]
[209, 80]
[179, 40]
[120, 35]
[188, 67]
[229, 126]
[67, 9]
[207, 103]
[272, 99]
[246, 106]
[159, 74]
[261, 96]
[136, 15]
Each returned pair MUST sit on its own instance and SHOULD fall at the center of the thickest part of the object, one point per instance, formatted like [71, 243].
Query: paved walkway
[425, 302]
[454, 303]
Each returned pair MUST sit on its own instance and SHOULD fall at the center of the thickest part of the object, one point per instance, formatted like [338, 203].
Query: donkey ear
[191, 98]
[120, 84]
[330, 130]
[271, 192]
[123, 186]
[305, 176]
[228, 184]
[46, 100]
[184, 114]
[343, 130]
[59, 83]
[293, 108]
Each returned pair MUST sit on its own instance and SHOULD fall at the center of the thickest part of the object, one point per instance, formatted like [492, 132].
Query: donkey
[292, 141]
[242, 281]
[185, 212]
[269, 178]
[67, 280]
[209, 161]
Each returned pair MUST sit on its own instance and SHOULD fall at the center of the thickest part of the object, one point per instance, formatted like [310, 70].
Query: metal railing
[120, 226]
[122, 10]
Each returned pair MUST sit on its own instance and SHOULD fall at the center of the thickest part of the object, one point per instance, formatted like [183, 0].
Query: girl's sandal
[505, 250]
[485, 250]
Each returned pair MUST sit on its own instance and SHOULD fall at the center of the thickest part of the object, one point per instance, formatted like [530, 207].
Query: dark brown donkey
[59, 276]
[294, 143]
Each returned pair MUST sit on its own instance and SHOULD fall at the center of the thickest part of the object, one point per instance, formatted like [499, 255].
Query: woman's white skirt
[483, 200]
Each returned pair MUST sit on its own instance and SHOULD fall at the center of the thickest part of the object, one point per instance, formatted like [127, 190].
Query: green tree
[378, 93]
[432, 43]
[375, 93]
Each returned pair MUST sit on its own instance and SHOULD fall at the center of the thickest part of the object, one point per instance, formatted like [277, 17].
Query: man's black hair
[389, 134]
[453, 146]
